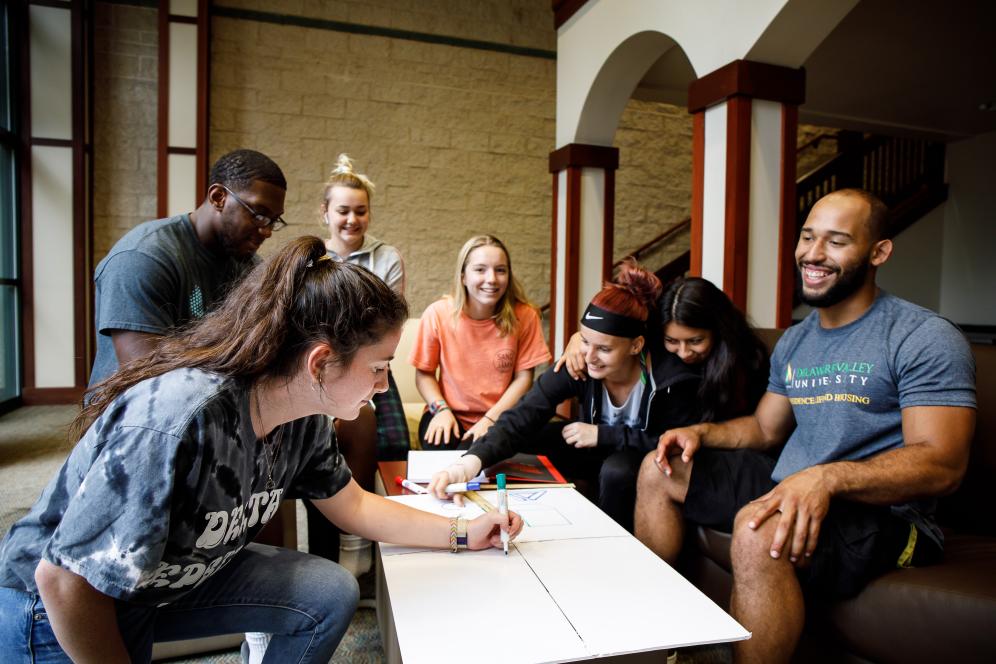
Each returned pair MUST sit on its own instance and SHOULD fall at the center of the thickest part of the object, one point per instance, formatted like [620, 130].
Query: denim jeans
[303, 601]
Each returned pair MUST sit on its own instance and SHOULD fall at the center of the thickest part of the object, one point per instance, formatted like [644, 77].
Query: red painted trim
[608, 225]
[553, 264]
[737, 218]
[750, 79]
[787, 219]
[51, 396]
[580, 154]
[563, 10]
[162, 170]
[698, 190]
[19, 22]
[203, 99]
[572, 252]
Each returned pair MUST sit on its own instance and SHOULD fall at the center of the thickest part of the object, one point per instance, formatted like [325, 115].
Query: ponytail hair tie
[314, 262]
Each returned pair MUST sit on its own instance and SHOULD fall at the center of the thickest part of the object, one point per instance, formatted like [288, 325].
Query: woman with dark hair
[145, 534]
[633, 397]
[703, 328]
[700, 325]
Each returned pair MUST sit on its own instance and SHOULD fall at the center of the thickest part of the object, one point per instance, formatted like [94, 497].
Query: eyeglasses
[260, 220]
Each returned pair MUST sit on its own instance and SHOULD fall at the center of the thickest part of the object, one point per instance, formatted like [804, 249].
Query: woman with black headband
[630, 400]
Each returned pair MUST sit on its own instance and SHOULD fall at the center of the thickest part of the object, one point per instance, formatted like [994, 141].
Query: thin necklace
[270, 449]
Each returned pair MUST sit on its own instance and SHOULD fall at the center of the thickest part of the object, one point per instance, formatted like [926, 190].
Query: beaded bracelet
[437, 406]
[458, 534]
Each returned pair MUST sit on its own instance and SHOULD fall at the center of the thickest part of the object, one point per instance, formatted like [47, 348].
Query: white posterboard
[477, 606]
[549, 514]
[575, 585]
[621, 598]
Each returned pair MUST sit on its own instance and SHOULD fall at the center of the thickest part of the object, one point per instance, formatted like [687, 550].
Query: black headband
[600, 320]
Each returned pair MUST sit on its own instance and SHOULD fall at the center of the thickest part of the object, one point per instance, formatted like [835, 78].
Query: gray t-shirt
[157, 277]
[167, 485]
[848, 385]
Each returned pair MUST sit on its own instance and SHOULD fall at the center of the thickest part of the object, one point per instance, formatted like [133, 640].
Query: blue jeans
[305, 602]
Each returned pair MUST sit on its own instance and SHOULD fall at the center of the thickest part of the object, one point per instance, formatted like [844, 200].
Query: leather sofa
[940, 613]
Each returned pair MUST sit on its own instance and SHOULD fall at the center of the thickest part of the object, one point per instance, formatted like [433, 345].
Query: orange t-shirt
[476, 364]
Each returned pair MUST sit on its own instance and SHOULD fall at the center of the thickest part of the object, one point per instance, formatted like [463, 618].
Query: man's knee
[652, 484]
[750, 549]
[650, 479]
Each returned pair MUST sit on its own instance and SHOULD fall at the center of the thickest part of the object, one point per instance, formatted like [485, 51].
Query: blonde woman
[484, 339]
[379, 432]
[346, 213]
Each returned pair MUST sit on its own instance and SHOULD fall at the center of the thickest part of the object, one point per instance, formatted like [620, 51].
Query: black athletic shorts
[857, 541]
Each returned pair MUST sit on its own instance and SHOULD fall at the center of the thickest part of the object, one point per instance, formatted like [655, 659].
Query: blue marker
[503, 508]
[460, 487]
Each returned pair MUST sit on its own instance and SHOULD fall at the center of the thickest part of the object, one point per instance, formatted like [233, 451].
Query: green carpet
[360, 645]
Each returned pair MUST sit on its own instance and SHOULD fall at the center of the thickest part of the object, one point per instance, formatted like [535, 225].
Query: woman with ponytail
[182, 456]
[631, 398]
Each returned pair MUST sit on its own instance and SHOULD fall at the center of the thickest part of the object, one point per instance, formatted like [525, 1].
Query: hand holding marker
[503, 508]
[456, 487]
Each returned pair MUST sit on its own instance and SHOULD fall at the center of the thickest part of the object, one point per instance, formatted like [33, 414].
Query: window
[10, 284]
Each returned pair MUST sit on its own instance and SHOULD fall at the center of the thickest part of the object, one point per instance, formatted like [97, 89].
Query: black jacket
[670, 400]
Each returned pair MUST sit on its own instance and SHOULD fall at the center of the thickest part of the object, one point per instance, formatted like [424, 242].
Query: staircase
[907, 174]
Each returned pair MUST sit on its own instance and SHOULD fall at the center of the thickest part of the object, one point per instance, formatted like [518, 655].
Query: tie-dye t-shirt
[167, 485]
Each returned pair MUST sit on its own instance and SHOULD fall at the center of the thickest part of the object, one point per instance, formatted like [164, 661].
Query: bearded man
[868, 417]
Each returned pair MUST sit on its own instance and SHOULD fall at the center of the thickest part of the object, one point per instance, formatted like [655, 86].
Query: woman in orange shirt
[484, 339]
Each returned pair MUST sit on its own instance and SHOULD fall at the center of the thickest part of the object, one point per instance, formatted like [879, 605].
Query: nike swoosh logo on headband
[588, 316]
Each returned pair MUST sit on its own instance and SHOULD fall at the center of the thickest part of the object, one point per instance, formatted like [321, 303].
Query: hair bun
[642, 283]
[343, 165]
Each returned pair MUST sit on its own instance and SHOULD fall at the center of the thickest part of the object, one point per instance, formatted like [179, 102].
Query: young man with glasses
[166, 272]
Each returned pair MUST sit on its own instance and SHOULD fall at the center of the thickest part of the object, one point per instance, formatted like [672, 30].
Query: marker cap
[501, 481]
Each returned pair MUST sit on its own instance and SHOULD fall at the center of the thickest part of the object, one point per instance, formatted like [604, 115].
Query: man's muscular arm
[932, 462]
[132, 345]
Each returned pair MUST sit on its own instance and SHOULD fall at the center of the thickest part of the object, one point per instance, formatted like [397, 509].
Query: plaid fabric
[392, 427]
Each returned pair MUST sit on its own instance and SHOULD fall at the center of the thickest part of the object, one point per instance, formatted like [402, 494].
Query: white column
[52, 275]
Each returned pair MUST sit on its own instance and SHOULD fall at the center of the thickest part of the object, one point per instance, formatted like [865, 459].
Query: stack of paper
[423, 464]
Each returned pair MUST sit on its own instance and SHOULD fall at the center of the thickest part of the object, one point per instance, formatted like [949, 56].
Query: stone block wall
[654, 180]
[456, 139]
[126, 59]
